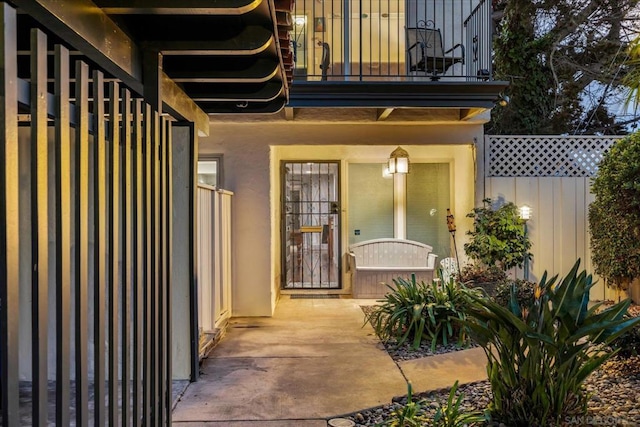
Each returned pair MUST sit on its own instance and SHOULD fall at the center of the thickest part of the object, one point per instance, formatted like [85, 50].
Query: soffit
[228, 56]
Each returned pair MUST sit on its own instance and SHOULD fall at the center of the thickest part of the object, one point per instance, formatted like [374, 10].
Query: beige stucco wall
[252, 152]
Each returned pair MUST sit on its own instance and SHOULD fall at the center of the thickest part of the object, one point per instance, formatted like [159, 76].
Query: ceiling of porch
[226, 56]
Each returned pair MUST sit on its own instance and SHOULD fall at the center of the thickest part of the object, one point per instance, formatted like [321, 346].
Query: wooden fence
[551, 174]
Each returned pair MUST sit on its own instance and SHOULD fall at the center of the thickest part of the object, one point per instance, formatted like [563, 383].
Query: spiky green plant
[409, 415]
[449, 413]
[539, 357]
[400, 316]
[413, 312]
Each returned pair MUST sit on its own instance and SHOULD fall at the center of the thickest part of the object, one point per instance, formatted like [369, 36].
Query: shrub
[415, 311]
[614, 215]
[483, 276]
[539, 357]
[478, 273]
[522, 290]
[628, 344]
[498, 237]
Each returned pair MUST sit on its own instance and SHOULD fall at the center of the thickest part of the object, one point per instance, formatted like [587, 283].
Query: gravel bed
[615, 400]
[614, 389]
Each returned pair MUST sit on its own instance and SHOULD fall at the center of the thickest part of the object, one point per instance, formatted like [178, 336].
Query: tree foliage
[614, 215]
[564, 60]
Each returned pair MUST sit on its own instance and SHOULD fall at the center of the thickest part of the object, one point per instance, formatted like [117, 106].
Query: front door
[311, 225]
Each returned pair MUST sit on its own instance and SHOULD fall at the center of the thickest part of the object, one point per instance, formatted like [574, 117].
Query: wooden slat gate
[85, 204]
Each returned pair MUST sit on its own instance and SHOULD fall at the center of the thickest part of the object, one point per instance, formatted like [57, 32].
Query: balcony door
[311, 225]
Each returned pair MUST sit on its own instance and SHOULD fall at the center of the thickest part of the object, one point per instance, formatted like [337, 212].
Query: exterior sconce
[385, 171]
[503, 100]
[525, 215]
[399, 161]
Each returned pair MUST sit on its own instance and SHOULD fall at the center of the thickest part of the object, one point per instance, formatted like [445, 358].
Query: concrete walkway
[311, 361]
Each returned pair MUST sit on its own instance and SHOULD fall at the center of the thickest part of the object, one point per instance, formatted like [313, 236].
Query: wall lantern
[525, 212]
[399, 161]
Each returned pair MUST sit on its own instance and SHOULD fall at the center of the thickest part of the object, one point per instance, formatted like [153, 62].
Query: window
[210, 171]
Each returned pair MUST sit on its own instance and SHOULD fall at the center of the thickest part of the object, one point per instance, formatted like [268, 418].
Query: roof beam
[88, 29]
[289, 113]
[177, 103]
[469, 113]
[251, 41]
[182, 7]
[383, 113]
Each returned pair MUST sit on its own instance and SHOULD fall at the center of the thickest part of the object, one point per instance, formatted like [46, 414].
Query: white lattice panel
[544, 156]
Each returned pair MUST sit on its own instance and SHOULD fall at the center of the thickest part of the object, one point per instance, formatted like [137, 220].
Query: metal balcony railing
[392, 40]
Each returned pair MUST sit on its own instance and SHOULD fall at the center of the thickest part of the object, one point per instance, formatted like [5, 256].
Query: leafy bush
[614, 215]
[415, 311]
[523, 290]
[498, 237]
[628, 344]
[539, 357]
[450, 415]
[483, 276]
[478, 273]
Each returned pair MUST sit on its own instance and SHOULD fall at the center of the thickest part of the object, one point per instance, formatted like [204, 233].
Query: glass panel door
[311, 225]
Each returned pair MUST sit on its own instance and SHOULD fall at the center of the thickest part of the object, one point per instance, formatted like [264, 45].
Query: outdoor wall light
[525, 212]
[503, 100]
[525, 215]
[399, 161]
[385, 171]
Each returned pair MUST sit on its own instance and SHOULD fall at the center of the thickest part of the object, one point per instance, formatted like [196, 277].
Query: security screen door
[311, 225]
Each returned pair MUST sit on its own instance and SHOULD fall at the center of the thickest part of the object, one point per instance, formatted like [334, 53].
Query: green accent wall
[370, 207]
[428, 197]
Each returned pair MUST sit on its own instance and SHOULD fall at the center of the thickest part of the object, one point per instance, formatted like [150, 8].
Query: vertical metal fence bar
[138, 266]
[155, 276]
[169, 262]
[63, 234]
[163, 270]
[148, 152]
[193, 252]
[81, 170]
[127, 255]
[113, 240]
[100, 247]
[10, 216]
[39, 226]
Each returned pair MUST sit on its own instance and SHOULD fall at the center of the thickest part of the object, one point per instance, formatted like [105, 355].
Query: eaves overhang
[207, 56]
[428, 94]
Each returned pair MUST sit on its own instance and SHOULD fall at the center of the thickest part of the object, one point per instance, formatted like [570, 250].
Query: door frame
[283, 227]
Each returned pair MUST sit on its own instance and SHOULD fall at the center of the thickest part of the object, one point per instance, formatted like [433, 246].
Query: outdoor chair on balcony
[426, 54]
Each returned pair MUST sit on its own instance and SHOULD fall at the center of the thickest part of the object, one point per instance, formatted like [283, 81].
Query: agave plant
[400, 316]
[415, 311]
[539, 356]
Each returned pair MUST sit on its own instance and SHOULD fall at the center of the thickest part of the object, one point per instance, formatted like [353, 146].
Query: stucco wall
[252, 152]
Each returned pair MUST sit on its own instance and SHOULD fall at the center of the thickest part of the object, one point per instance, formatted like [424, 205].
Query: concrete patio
[309, 362]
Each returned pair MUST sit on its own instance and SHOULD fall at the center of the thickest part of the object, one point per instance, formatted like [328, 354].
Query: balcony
[393, 53]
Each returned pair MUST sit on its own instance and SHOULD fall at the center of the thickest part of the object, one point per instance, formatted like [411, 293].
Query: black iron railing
[101, 172]
[392, 40]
